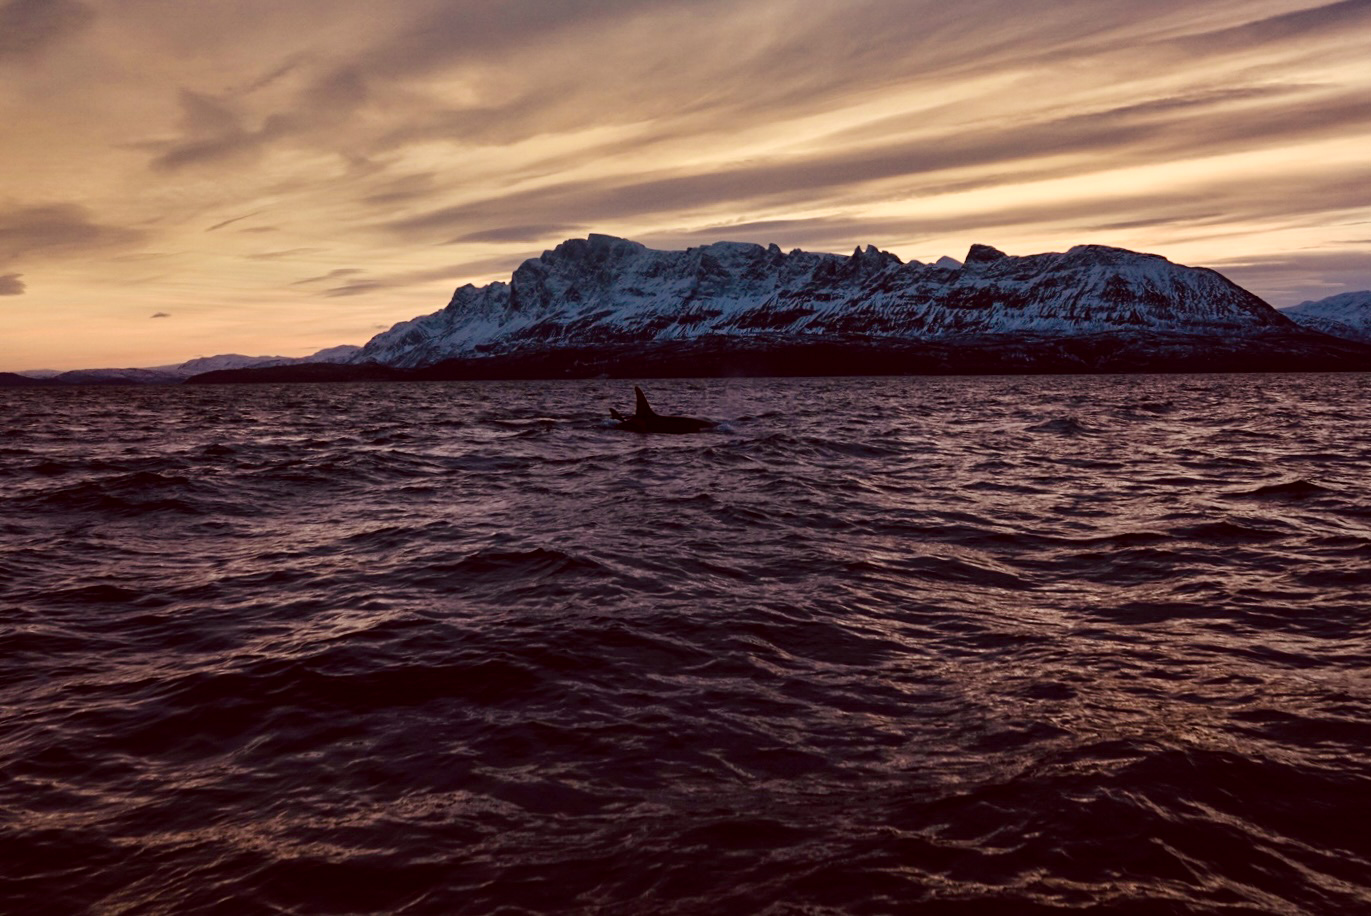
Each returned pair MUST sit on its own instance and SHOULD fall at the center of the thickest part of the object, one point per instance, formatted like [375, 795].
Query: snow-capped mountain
[179, 372]
[201, 364]
[1347, 315]
[611, 292]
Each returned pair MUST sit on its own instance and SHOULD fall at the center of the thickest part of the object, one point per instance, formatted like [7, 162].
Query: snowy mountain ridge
[179, 372]
[604, 291]
[200, 364]
[1346, 315]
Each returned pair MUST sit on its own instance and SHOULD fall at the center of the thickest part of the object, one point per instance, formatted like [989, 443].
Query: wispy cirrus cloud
[229, 222]
[331, 275]
[1300, 275]
[211, 132]
[1342, 20]
[283, 254]
[58, 230]
[528, 233]
[1148, 133]
[28, 27]
[499, 267]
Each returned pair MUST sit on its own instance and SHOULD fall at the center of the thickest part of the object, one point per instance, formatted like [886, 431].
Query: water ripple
[1013, 645]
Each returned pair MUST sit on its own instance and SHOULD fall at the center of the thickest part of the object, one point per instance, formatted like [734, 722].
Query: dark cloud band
[28, 27]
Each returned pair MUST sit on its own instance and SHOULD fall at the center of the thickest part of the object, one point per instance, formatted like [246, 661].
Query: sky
[272, 177]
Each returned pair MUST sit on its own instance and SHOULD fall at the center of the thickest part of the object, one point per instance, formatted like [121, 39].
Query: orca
[647, 420]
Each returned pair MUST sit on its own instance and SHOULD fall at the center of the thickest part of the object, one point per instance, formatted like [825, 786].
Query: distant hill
[179, 372]
[304, 372]
[15, 380]
[204, 364]
[1347, 315]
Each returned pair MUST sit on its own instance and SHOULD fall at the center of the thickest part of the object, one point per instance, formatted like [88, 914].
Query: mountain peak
[1106, 254]
[983, 254]
[595, 246]
[871, 259]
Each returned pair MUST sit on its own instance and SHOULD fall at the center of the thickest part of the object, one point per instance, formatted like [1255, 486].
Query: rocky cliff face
[610, 292]
[1347, 316]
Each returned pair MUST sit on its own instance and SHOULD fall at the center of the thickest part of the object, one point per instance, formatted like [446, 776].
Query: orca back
[647, 420]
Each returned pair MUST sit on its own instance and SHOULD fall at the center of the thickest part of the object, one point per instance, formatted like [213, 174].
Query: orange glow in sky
[278, 177]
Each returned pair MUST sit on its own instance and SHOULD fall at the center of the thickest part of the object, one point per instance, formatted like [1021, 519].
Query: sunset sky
[276, 176]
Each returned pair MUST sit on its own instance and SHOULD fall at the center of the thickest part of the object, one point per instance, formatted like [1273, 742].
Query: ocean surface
[893, 645]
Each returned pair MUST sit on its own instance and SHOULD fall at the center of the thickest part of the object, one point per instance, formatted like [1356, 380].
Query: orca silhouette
[647, 420]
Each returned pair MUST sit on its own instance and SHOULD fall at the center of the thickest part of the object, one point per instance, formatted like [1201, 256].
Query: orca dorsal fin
[643, 408]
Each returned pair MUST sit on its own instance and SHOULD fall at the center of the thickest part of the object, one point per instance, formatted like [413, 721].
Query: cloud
[11, 285]
[358, 287]
[1306, 198]
[211, 133]
[1201, 210]
[501, 267]
[832, 234]
[739, 67]
[284, 254]
[718, 66]
[403, 189]
[491, 30]
[1299, 276]
[216, 130]
[1332, 19]
[30, 26]
[161, 315]
[331, 275]
[799, 61]
[1152, 131]
[535, 233]
[58, 230]
[342, 89]
[230, 222]
[273, 75]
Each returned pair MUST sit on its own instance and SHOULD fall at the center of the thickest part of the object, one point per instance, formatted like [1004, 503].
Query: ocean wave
[934, 645]
[1063, 426]
[1290, 489]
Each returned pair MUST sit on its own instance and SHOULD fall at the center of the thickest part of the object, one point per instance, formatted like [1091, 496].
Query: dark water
[899, 645]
